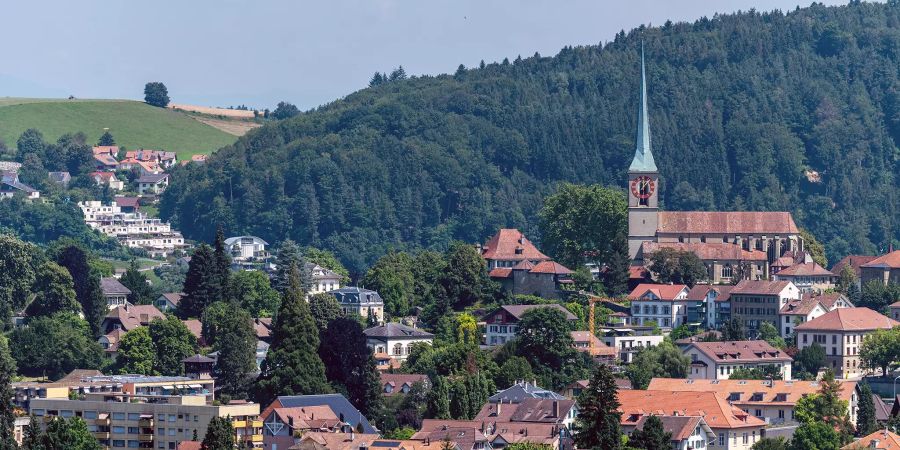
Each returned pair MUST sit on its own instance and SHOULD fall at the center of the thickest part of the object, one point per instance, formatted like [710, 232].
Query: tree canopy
[156, 94]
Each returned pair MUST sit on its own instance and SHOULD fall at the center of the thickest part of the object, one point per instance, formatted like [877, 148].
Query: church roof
[643, 157]
[707, 251]
[769, 223]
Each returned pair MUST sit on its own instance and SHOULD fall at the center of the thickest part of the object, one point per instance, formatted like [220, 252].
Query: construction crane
[592, 299]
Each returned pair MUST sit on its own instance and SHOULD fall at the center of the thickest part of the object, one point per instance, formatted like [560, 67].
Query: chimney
[352, 434]
[556, 408]
[498, 406]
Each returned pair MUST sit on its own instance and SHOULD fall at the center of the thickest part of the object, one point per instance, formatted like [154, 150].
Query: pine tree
[32, 435]
[324, 308]
[106, 139]
[236, 344]
[652, 436]
[223, 265]
[219, 435]
[7, 370]
[289, 256]
[136, 282]
[865, 416]
[439, 399]
[616, 278]
[597, 425]
[87, 285]
[354, 366]
[201, 284]
[292, 366]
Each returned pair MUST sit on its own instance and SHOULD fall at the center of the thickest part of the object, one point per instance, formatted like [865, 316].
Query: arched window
[398, 349]
[727, 271]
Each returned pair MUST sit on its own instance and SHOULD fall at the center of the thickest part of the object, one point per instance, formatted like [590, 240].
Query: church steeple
[643, 156]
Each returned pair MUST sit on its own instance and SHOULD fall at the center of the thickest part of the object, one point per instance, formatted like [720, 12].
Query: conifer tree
[292, 366]
[106, 139]
[597, 425]
[223, 265]
[289, 256]
[616, 278]
[652, 436]
[219, 435]
[31, 439]
[201, 284]
[7, 418]
[136, 282]
[865, 416]
[354, 366]
[87, 285]
[236, 344]
[324, 308]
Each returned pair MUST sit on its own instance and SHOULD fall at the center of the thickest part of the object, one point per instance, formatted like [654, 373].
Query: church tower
[643, 180]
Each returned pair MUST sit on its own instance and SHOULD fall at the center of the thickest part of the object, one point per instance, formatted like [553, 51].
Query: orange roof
[730, 222]
[134, 316]
[700, 291]
[339, 441]
[105, 149]
[890, 260]
[500, 272]
[759, 287]
[194, 326]
[713, 408]
[600, 348]
[854, 261]
[638, 273]
[770, 390]
[709, 250]
[740, 351]
[804, 269]
[666, 292]
[551, 267]
[189, 445]
[511, 244]
[879, 440]
[849, 319]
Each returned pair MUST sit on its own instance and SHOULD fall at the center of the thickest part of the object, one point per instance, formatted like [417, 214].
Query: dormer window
[757, 397]
[734, 397]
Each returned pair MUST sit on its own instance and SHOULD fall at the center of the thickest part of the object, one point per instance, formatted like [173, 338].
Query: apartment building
[808, 307]
[663, 304]
[134, 229]
[758, 301]
[718, 360]
[808, 277]
[627, 344]
[841, 333]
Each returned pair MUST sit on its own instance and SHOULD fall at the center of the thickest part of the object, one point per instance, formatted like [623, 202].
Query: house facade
[361, 302]
[395, 339]
[627, 344]
[509, 247]
[758, 301]
[711, 301]
[718, 360]
[666, 305]
[884, 269]
[152, 183]
[808, 307]
[115, 293]
[808, 277]
[687, 432]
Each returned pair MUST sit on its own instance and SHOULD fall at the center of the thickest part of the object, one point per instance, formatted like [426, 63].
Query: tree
[68, 434]
[31, 439]
[617, 274]
[439, 399]
[513, 369]
[285, 110]
[137, 353]
[581, 224]
[222, 265]
[543, 339]
[87, 285]
[136, 282]
[253, 292]
[597, 424]
[219, 434]
[770, 334]
[880, 349]
[672, 265]
[815, 436]
[174, 342]
[236, 344]
[54, 346]
[467, 329]
[18, 262]
[353, 367]
[652, 436]
[464, 281]
[814, 248]
[201, 285]
[107, 139]
[54, 292]
[292, 366]
[866, 421]
[392, 277]
[811, 359]
[7, 416]
[767, 372]
[664, 360]
[776, 443]
[734, 330]
[324, 308]
[212, 321]
[156, 94]
[826, 407]
[289, 256]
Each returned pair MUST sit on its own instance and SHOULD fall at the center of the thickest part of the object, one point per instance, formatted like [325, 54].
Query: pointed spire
[643, 157]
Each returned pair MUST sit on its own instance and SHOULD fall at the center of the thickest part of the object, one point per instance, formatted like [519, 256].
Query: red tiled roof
[134, 316]
[715, 410]
[740, 351]
[730, 222]
[759, 287]
[105, 176]
[680, 427]
[500, 272]
[504, 244]
[638, 273]
[518, 311]
[792, 390]
[551, 267]
[195, 327]
[105, 149]
[849, 319]
[708, 250]
[663, 291]
[524, 265]
[804, 269]
[890, 260]
[854, 261]
[882, 440]
[128, 202]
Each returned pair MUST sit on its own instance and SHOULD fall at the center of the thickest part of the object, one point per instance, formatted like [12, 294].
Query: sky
[260, 52]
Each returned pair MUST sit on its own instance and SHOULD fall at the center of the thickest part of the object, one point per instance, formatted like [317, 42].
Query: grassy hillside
[133, 124]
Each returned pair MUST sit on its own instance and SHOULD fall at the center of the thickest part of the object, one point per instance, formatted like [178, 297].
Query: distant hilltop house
[521, 268]
[247, 252]
[10, 186]
[135, 230]
[108, 179]
[361, 302]
[61, 178]
[152, 183]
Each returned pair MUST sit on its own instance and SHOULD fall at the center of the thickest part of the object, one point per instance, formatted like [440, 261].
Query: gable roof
[152, 177]
[511, 244]
[805, 269]
[680, 427]
[396, 330]
[520, 391]
[848, 319]
[698, 292]
[759, 287]
[801, 307]
[890, 260]
[337, 402]
[727, 222]
[854, 261]
[134, 316]
[739, 351]
[707, 251]
[195, 327]
[399, 379]
[173, 297]
[551, 267]
[771, 391]
[545, 410]
[717, 412]
[883, 440]
[518, 311]
[666, 292]
[112, 286]
[128, 202]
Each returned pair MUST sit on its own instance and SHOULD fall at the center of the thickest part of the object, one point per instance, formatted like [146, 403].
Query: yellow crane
[592, 299]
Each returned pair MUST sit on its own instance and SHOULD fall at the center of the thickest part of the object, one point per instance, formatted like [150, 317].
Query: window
[781, 414]
[722, 439]
[118, 443]
[398, 349]
[727, 271]
[134, 444]
[118, 429]
[118, 416]
[134, 416]
[90, 414]
[746, 439]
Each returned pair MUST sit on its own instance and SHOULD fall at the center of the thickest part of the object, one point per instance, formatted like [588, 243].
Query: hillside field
[133, 124]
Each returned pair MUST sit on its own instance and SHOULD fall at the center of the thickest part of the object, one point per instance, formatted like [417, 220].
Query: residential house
[724, 261]
[61, 178]
[107, 179]
[128, 317]
[855, 263]
[318, 440]
[153, 183]
[718, 360]
[128, 205]
[247, 252]
[110, 342]
[755, 302]
[168, 301]
[687, 432]
[879, 440]
[509, 247]
[841, 333]
[788, 259]
[10, 186]
[489, 434]
[115, 293]
[559, 412]
[323, 280]
[401, 383]
[711, 301]
[395, 339]
[885, 269]
[545, 279]
[666, 305]
[105, 162]
[734, 428]
[289, 414]
[582, 341]
[501, 324]
[771, 401]
[522, 390]
[135, 230]
[110, 150]
[361, 302]
[628, 342]
[808, 307]
[808, 277]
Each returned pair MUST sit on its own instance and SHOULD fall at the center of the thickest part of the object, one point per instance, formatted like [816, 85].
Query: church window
[727, 271]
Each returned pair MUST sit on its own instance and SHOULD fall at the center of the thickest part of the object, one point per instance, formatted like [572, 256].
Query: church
[728, 242]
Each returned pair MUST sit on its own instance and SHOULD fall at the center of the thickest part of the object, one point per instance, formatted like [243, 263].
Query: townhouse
[758, 301]
[709, 305]
[809, 306]
[718, 360]
[666, 305]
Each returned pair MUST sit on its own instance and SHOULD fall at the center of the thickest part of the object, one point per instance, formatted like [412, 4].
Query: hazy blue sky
[225, 52]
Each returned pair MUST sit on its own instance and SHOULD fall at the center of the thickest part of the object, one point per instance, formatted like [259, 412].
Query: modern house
[502, 324]
[718, 360]
[666, 305]
[247, 252]
[627, 342]
[395, 339]
[361, 302]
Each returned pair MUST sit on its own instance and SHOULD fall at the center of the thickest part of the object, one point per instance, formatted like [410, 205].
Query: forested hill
[771, 111]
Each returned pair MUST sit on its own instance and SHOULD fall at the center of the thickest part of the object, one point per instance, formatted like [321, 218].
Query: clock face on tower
[642, 187]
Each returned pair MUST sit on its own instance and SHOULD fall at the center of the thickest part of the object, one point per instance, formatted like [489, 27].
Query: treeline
[795, 111]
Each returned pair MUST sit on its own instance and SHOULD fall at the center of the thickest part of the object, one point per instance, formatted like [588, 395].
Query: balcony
[145, 422]
[145, 437]
[256, 424]
[239, 423]
[251, 438]
[101, 435]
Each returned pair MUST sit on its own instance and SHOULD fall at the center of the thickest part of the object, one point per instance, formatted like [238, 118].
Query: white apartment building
[664, 304]
[134, 230]
[627, 346]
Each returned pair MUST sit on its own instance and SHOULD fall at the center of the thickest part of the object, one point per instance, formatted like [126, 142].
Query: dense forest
[795, 111]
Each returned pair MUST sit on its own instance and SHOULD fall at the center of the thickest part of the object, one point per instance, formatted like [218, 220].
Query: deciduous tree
[174, 342]
[54, 346]
[7, 416]
[54, 292]
[137, 353]
[156, 94]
